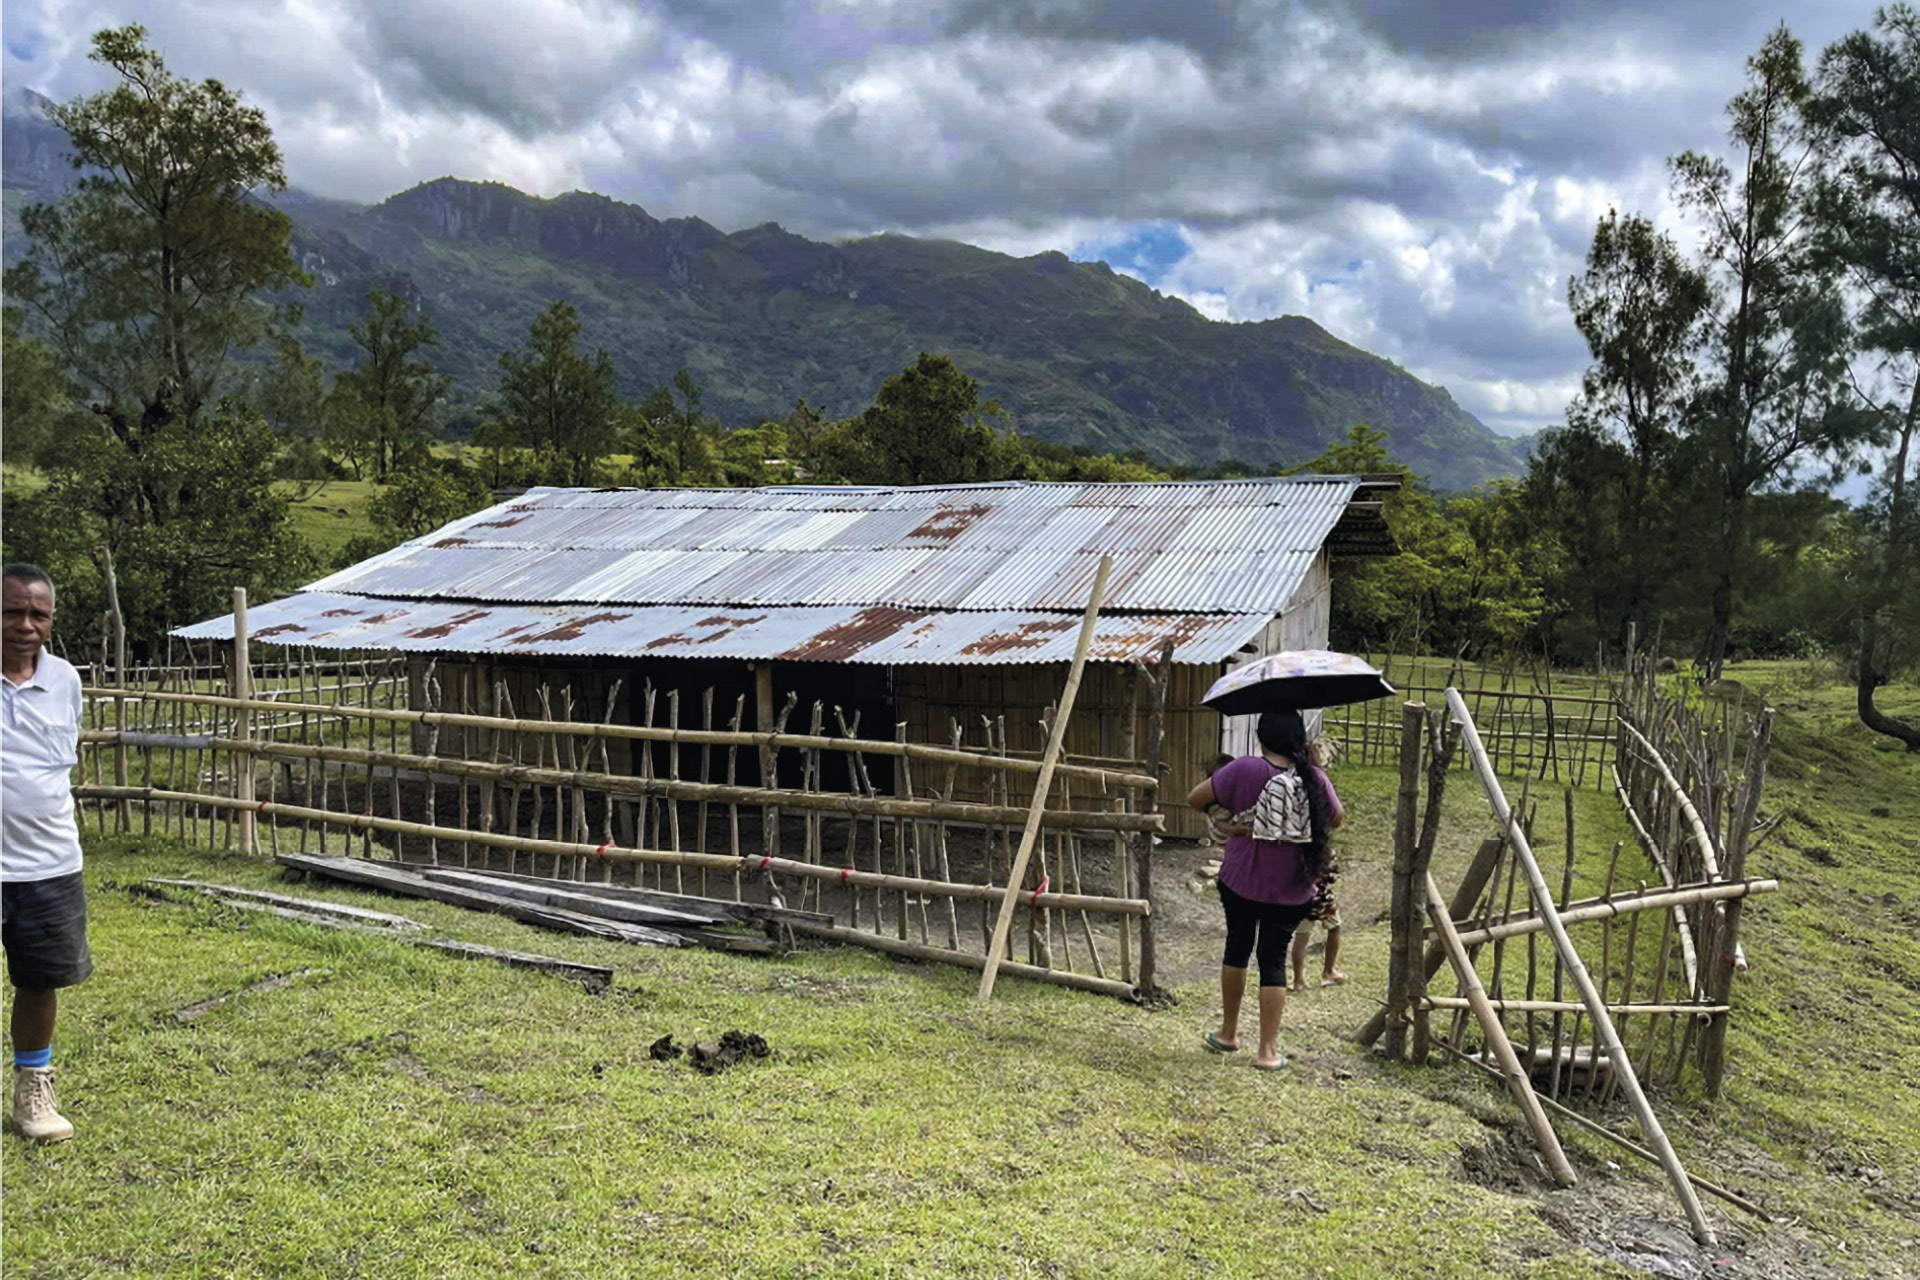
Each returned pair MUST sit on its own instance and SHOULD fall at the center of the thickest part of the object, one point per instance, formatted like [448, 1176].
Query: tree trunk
[1868, 680]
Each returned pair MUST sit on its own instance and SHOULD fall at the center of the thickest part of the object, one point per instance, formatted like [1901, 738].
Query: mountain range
[1078, 353]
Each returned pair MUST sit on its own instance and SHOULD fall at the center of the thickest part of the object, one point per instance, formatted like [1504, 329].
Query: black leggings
[1272, 923]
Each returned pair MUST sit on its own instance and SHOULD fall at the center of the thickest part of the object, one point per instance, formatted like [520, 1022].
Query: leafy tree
[148, 275]
[153, 270]
[417, 500]
[391, 395]
[686, 432]
[229, 529]
[926, 426]
[292, 394]
[495, 440]
[1608, 482]
[38, 405]
[558, 400]
[1867, 111]
[1777, 351]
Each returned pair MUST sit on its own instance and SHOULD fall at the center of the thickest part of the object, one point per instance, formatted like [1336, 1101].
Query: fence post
[242, 689]
[118, 622]
[1405, 926]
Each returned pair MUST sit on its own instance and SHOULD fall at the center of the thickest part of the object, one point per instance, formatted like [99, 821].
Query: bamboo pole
[1571, 1006]
[883, 806]
[1702, 839]
[243, 692]
[691, 737]
[1658, 858]
[1496, 1035]
[1468, 893]
[920, 951]
[1625, 904]
[1044, 783]
[1711, 1188]
[1577, 970]
[661, 857]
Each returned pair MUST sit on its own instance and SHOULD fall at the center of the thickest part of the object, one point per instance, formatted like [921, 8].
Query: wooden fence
[329, 757]
[1535, 724]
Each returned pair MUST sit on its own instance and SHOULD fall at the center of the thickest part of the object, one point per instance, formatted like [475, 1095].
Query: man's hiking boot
[35, 1114]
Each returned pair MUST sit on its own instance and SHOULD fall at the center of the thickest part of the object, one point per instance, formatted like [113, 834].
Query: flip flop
[1281, 1065]
[1213, 1043]
[1333, 982]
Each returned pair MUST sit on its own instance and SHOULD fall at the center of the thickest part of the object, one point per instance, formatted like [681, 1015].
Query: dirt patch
[273, 982]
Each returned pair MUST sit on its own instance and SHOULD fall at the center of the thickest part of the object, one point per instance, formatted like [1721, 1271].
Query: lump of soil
[664, 1049]
[734, 1046]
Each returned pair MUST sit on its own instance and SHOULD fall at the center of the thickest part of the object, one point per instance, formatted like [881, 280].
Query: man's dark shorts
[44, 926]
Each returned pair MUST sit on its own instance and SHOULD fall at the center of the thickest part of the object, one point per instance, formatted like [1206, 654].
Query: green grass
[334, 516]
[395, 1113]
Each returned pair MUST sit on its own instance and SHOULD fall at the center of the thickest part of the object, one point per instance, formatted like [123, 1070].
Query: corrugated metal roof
[1187, 547]
[845, 633]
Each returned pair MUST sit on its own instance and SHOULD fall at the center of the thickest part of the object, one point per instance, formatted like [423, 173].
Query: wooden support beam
[1518, 1082]
[1044, 783]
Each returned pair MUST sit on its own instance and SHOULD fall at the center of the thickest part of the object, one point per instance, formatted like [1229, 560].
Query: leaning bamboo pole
[689, 737]
[1711, 1188]
[1044, 783]
[1496, 1036]
[1577, 971]
[657, 857]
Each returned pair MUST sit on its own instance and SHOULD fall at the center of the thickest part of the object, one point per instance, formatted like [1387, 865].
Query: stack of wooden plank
[599, 910]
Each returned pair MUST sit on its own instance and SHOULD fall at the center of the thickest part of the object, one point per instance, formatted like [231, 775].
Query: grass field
[393, 1113]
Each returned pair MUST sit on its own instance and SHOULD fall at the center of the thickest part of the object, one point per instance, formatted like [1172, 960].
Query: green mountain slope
[1079, 354]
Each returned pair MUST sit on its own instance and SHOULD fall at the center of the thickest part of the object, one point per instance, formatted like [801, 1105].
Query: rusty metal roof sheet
[1180, 547]
[880, 634]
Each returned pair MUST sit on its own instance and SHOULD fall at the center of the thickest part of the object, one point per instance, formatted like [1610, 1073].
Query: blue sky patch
[1149, 253]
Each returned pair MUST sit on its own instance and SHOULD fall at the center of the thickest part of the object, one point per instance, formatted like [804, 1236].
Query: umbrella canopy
[1296, 680]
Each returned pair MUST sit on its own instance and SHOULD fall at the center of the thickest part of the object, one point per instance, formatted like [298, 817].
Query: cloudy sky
[1419, 176]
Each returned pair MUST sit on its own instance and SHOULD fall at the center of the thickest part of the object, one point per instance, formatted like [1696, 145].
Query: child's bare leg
[1301, 936]
[1330, 974]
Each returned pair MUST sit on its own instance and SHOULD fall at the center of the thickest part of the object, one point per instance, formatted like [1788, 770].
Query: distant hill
[1080, 355]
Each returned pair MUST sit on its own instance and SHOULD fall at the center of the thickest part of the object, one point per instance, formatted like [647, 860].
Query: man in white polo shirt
[45, 908]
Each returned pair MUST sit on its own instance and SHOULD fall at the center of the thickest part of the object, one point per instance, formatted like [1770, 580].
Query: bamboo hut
[914, 609]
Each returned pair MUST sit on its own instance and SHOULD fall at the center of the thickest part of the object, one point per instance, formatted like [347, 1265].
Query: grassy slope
[400, 1114]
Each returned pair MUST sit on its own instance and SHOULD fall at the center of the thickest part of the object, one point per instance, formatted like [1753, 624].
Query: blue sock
[33, 1057]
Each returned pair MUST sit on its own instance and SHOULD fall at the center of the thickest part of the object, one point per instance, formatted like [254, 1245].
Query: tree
[926, 426]
[1867, 112]
[558, 400]
[36, 401]
[149, 275]
[391, 394]
[417, 500]
[1610, 474]
[687, 432]
[1777, 350]
[292, 394]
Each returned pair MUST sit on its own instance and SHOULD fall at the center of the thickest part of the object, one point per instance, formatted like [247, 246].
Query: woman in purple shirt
[1266, 886]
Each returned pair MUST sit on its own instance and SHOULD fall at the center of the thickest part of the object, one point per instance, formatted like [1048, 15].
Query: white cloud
[1420, 185]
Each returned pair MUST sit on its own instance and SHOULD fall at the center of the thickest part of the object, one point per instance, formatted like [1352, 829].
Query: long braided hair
[1284, 733]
